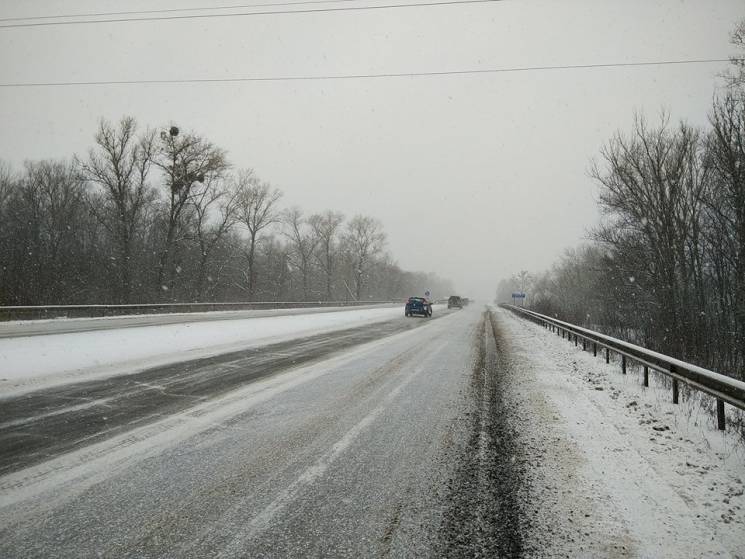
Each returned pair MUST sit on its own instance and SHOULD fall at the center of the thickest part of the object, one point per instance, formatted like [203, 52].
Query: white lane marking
[148, 386]
[263, 520]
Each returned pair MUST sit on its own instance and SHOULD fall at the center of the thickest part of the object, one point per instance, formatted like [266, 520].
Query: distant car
[419, 306]
[455, 302]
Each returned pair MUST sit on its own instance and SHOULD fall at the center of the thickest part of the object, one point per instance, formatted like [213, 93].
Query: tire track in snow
[482, 519]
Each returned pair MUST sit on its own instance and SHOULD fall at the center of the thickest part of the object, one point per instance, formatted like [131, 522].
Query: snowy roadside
[63, 324]
[616, 469]
[30, 363]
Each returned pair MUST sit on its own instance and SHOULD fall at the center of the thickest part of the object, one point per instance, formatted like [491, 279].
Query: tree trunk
[251, 268]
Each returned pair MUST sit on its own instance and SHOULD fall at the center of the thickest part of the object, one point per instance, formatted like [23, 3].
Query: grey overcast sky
[473, 176]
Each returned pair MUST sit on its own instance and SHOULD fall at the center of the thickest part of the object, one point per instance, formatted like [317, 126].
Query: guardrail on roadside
[95, 311]
[723, 388]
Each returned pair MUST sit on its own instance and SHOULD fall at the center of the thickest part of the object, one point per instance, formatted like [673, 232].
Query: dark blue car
[418, 306]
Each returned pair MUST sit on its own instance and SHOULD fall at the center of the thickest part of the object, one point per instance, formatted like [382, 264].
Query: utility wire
[247, 14]
[370, 76]
[176, 10]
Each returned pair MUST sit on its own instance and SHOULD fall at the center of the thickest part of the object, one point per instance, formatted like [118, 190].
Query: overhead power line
[369, 76]
[175, 10]
[249, 14]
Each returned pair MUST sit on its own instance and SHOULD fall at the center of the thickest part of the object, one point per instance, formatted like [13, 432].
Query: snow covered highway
[47, 422]
[474, 433]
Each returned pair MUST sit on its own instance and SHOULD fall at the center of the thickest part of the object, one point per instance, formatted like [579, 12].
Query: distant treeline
[149, 216]
[667, 266]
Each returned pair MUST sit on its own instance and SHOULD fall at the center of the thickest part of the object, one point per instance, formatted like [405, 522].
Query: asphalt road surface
[380, 441]
[40, 425]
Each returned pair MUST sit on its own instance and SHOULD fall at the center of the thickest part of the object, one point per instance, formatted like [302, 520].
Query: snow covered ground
[616, 469]
[64, 325]
[28, 363]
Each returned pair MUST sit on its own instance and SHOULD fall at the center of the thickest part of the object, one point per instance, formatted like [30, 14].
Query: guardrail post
[594, 349]
[623, 364]
[607, 355]
[575, 340]
[675, 385]
[646, 375]
[584, 344]
[720, 414]
[558, 331]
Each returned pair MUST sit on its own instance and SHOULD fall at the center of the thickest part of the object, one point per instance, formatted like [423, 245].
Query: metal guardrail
[723, 388]
[94, 311]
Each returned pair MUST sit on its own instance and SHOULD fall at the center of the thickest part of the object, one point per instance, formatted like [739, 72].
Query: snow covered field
[28, 363]
[627, 472]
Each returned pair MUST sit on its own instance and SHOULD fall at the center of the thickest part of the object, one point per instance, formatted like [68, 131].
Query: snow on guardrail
[724, 388]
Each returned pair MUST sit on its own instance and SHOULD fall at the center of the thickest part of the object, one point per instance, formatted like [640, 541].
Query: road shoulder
[603, 482]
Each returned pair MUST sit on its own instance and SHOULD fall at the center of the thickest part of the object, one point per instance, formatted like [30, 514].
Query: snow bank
[32, 362]
[639, 475]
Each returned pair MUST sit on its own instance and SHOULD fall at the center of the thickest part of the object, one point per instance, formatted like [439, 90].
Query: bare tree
[189, 163]
[215, 212]
[7, 183]
[725, 204]
[275, 268]
[303, 242]
[327, 226]
[48, 215]
[364, 239]
[257, 210]
[652, 189]
[92, 232]
[736, 77]
[119, 167]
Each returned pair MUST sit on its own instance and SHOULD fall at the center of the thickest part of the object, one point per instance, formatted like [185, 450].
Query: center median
[31, 363]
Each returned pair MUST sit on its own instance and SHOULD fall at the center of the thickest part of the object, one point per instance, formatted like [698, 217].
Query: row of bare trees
[147, 216]
[667, 266]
